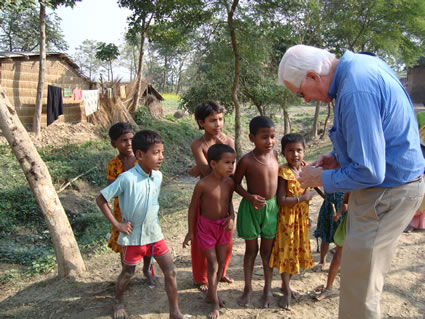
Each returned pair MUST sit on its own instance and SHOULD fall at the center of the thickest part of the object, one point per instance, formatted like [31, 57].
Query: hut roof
[27, 55]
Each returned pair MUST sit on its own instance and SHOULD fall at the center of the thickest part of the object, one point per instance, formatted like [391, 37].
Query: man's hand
[187, 239]
[257, 201]
[327, 161]
[229, 223]
[125, 227]
[310, 176]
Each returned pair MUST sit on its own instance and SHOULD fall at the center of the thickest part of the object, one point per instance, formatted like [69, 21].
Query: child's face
[225, 166]
[123, 144]
[294, 154]
[152, 158]
[213, 124]
[264, 140]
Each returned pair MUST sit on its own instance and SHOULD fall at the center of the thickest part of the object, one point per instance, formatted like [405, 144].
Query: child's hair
[118, 129]
[144, 139]
[205, 109]
[216, 151]
[292, 138]
[258, 123]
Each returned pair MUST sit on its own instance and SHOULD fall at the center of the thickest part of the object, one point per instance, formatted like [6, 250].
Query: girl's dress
[326, 226]
[291, 248]
[113, 169]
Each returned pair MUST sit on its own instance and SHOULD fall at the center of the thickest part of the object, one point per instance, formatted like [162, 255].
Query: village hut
[19, 79]
[416, 82]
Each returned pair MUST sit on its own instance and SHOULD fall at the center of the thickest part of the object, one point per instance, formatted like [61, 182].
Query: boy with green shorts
[258, 211]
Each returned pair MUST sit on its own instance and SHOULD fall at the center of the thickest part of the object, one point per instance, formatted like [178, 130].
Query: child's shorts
[252, 223]
[132, 255]
[211, 233]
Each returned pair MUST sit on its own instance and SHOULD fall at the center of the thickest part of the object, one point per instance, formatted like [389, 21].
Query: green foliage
[20, 29]
[85, 57]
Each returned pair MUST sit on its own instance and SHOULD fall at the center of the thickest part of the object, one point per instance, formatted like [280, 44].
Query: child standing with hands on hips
[213, 194]
[140, 232]
[257, 215]
[210, 117]
[121, 135]
[291, 249]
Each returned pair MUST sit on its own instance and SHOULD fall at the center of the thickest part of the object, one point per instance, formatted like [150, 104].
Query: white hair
[300, 59]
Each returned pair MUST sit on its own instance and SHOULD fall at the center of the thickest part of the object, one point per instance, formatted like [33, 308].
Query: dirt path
[91, 297]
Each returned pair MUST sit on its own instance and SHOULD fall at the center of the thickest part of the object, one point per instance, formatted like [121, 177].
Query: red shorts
[132, 255]
[211, 233]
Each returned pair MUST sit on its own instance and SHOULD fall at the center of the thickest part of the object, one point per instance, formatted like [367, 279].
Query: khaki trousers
[376, 218]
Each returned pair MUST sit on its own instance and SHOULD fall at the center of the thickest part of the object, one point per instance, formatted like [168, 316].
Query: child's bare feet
[285, 302]
[119, 311]
[152, 279]
[203, 287]
[326, 293]
[221, 303]
[245, 298]
[266, 299]
[176, 315]
[226, 279]
[318, 267]
[215, 313]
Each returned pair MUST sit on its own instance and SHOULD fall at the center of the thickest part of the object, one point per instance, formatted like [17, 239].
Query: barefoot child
[291, 249]
[258, 209]
[326, 226]
[213, 194]
[338, 238]
[210, 118]
[121, 135]
[140, 232]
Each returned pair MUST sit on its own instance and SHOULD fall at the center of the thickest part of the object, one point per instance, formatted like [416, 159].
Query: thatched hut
[19, 79]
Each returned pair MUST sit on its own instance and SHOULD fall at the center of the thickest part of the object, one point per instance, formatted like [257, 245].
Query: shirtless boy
[210, 117]
[213, 194]
[258, 211]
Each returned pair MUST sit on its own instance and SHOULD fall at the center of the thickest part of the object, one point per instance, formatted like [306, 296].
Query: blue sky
[99, 20]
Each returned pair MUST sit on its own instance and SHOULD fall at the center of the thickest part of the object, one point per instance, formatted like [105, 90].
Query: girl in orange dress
[291, 248]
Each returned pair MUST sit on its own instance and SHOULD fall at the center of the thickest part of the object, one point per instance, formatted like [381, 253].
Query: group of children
[273, 208]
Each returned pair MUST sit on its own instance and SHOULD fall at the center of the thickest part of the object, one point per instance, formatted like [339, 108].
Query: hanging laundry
[67, 93]
[54, 103]
[77, 94]
[90, 100]
[123, 95]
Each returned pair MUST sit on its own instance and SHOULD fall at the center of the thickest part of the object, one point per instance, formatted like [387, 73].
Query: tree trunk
[112, 74]
[235, 100]
[286, 123]
[164, 74]
[315, 120]
[36, 123]
[136, 97]
[68, 257]
[326, 121]
[179, 76]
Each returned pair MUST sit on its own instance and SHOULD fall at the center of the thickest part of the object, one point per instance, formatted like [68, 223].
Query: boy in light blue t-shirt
[140, 233]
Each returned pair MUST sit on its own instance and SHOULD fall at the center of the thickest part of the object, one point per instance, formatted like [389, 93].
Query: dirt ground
[45, 296]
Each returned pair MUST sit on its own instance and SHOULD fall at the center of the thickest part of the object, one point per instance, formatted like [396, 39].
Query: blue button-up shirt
[138, 197]
[375, 134]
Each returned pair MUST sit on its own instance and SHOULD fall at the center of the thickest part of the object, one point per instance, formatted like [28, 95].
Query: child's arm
[342, 208]
[123, 227]
[230, 220]
[196, 199]
[284, 200]
[256, 200]
[202, 167]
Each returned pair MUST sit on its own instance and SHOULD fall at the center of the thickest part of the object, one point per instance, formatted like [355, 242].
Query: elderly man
[376, 156]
